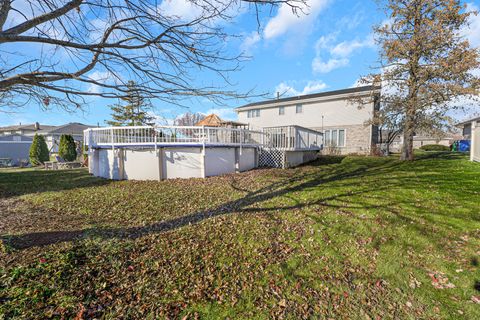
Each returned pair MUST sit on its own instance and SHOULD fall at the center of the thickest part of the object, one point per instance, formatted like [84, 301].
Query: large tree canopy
[427, 65]
[60, 51]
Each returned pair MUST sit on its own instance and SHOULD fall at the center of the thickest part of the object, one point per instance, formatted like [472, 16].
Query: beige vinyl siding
[335, 113]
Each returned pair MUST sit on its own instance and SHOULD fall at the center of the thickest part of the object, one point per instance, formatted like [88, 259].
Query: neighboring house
[471, 131]
[420, 140]
[25, 129]
[346, 126]
[467, 126]
[15, 148]
[52, 133]
[52, 136]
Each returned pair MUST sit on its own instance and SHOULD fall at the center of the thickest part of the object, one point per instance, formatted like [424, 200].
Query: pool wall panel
[170, 163]
[182, 163]
[219, 161]
[247, 159]
[140, 165]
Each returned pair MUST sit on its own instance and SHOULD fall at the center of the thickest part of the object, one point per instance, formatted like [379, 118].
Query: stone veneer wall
[358, 139]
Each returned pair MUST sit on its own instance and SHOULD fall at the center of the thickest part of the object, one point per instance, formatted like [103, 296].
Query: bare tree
[389, 126]
[426, 64]
[81, 48]
[189, 119]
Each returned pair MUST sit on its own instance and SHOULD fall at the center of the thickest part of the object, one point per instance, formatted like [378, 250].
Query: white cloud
[351, 22]
[223, 113]
[311, 87]
[286, 20]
[183, 9]
[250, 42]
[473, 31]
[297, 25]
[98, 27]
[330, 56]
[161, 120]
[319, 66]
[346, 48]
[101, 77]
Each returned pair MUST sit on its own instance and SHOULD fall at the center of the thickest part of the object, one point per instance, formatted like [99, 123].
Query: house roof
[312, 96]
[69, 128]
[212, 120]
[468, 121]
[26, 127]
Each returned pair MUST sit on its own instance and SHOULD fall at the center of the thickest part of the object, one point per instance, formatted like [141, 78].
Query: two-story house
[346, 125]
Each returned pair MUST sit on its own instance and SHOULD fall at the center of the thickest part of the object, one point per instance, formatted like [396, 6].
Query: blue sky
[327, 49]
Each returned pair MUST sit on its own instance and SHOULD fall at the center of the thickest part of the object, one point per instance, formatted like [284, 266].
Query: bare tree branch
[81, 48]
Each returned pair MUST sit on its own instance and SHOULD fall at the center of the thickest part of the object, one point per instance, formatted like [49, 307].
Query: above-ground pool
[157, 153]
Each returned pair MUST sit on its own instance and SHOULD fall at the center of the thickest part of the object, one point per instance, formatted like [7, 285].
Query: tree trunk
[407, 150]
[387, 151]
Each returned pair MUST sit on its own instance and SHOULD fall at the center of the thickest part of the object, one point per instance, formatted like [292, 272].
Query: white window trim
[338, 137]
[253, 113]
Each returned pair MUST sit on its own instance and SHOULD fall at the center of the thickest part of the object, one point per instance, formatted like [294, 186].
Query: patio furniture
[60, 163]
[5, 162]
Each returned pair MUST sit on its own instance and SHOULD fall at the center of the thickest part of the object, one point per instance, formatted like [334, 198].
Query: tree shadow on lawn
[27, 181]
[313, 178]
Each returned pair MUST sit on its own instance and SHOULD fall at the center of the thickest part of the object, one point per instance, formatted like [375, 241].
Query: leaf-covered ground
[355, 237]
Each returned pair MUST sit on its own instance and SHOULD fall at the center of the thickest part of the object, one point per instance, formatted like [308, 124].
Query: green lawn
[354, 237]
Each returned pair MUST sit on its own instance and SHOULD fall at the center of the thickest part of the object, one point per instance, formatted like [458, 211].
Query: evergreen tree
[134, 112]
[38, 150]
[67, 148]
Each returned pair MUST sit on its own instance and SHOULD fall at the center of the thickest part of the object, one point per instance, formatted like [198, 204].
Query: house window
[327, 137]
[299, 108]
[334, 138]
[253, 113]
[281, 110]
[341, 138]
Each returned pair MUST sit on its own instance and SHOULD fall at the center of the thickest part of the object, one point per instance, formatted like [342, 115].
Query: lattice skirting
[271, 158]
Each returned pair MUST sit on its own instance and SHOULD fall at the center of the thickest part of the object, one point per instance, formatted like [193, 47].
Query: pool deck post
[203, 153]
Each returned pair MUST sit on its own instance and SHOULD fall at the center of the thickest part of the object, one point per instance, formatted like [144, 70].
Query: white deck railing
[293, 138]
[285, 138]
[170, 135]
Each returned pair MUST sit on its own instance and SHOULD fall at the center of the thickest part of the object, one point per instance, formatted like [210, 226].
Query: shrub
[67, 148]
[38, 151]
[434, 147]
